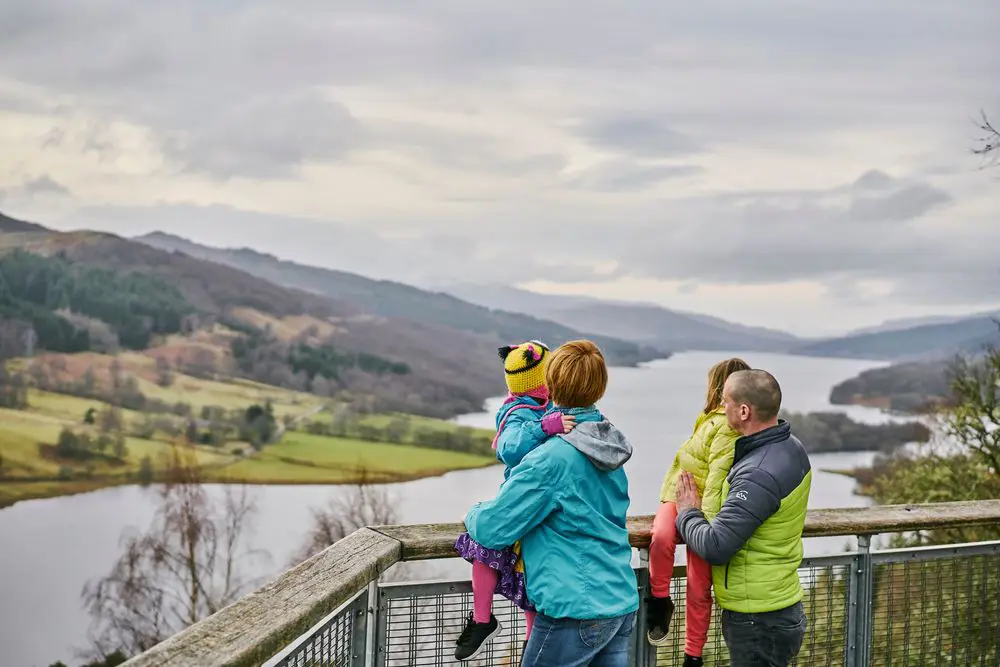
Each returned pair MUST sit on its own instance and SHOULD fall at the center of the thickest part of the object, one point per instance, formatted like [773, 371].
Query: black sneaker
[475, 637]
[658, 615]
[692, 661]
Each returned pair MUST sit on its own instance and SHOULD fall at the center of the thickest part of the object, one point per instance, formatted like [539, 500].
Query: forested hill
[87, 291]
[50, 293]
[912, 387]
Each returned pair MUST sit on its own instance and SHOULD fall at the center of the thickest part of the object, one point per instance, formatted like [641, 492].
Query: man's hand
[687, 493]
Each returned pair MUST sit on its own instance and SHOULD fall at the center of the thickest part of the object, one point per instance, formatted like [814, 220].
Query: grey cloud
[975, 283]
[769, 237]
[44, 184]
[905, 204]
[461, 150]
[98, 139]
[873, 179]
[648, 136]
[267, 137]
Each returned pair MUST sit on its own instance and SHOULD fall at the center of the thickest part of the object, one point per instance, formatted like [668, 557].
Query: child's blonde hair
[577, 375]
[717, 376]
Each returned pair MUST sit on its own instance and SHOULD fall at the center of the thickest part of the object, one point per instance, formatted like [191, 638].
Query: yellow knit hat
[524, 366]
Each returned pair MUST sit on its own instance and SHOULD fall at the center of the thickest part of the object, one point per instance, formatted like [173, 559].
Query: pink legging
[484, 586]
[698, 606]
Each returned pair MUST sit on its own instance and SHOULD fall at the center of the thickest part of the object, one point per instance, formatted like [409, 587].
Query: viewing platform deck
[937, 605]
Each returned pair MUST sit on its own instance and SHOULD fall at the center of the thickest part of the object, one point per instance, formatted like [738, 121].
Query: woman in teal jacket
[567, 503]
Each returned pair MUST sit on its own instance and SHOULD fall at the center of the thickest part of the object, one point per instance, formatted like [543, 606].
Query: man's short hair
[759, 390]
[577, 375]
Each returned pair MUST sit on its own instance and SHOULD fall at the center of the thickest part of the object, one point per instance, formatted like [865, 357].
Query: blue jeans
[772, 639]
[563, 642]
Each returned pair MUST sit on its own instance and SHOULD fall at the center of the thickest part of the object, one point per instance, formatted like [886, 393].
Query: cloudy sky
[804, 164]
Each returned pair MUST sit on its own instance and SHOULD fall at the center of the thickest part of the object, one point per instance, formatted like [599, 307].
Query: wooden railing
[256, 627]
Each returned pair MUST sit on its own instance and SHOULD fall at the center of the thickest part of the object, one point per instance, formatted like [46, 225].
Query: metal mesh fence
[933, 606]
[826, 605]
[338, 641]
[938, 606]
[419, 624]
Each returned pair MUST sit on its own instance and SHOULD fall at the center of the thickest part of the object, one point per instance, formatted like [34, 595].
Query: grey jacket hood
[602, 443]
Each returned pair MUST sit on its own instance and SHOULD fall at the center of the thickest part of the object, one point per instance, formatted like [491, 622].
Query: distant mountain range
[643, 323]
[913, 322]
[396, 300]
[926, 342]
[928, 338]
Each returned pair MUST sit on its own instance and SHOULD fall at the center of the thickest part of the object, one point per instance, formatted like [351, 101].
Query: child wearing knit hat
[524, 421]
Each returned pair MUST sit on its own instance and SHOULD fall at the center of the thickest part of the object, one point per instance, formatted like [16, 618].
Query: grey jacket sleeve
[753, 497]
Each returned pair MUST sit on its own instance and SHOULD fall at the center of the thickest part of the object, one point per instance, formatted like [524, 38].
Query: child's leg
[662, 549]
[699, 604]
[484, 585]
[529, 623]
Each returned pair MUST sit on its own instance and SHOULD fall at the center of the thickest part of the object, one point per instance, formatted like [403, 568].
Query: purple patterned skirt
[506, 561]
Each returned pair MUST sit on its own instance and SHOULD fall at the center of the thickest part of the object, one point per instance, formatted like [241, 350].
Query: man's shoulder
[780, 465]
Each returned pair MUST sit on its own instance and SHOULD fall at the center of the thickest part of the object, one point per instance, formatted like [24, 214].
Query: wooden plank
[428, 541]
[256, 627]
[901, 518]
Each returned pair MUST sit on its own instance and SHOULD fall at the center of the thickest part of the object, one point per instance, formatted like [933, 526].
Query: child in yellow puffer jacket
[708, 456]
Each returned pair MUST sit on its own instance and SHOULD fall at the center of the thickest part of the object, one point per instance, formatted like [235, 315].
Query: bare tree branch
[362, 504]
[187, 566]
[989, 142]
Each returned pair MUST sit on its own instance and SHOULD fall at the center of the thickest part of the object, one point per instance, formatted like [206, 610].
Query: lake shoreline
[67, 489]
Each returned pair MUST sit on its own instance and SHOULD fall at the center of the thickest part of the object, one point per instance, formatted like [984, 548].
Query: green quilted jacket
[708, 455]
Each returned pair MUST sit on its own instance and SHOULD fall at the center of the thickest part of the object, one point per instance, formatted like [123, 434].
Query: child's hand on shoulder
[557, 423]
[568, 423]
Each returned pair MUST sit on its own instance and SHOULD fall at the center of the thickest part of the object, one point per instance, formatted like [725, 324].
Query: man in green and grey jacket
[755, 542]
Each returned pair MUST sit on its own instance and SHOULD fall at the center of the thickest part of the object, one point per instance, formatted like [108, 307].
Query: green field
[304, 458]
[298, 458]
